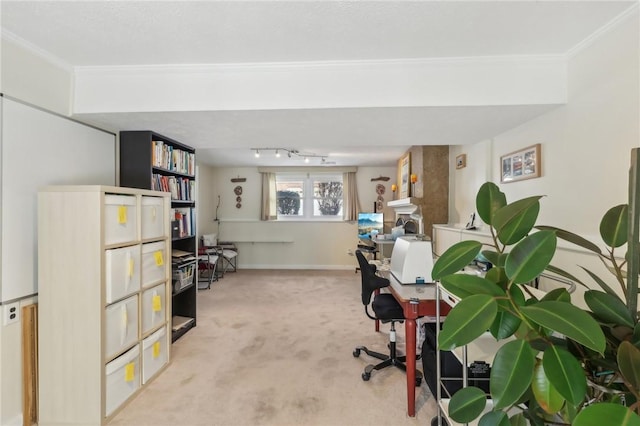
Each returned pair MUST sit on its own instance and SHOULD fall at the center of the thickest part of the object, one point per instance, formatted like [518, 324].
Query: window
[309, 196]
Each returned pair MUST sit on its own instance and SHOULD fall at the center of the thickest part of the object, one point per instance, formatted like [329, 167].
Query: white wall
[27, 76]
[272, 245]
[585, 144]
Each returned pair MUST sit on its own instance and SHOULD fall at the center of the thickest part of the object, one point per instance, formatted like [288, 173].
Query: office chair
[386, 309]
[369, 247]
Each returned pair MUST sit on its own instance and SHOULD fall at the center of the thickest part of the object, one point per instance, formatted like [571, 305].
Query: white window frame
[308, 200]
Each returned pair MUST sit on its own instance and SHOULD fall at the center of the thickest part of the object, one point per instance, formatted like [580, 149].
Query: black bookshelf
[149, 160]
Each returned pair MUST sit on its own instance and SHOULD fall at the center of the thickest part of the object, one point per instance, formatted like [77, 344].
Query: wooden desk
[417, 301]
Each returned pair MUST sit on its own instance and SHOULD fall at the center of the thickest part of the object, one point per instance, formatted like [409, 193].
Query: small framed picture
[522, 164]
[461, 161]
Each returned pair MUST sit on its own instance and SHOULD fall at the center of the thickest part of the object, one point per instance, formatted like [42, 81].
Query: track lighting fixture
[292, 153]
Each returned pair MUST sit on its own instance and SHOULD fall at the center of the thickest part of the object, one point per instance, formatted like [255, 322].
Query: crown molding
[311, 65]
[604, 30]
[54, 60]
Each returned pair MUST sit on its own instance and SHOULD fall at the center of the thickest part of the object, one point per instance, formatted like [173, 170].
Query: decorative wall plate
[238, 205]
[379, 206]
[380, 198]
[237, 190]
[380, 189]
[238, 199]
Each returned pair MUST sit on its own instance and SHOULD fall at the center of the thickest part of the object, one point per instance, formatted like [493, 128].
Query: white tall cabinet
[104, 302]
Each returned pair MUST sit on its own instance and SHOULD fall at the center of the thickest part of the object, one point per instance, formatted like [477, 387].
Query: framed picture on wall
[522, 164]
[404, 165]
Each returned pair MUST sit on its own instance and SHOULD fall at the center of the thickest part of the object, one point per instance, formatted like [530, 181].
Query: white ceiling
[126, 33]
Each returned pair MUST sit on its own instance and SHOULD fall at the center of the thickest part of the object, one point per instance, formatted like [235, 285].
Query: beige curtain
[268, 208]
[350, 203]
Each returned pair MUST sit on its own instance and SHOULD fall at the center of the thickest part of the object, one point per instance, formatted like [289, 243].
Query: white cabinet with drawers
[104, 299]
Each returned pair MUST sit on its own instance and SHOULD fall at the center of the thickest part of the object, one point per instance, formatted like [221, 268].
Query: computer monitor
[368, 222]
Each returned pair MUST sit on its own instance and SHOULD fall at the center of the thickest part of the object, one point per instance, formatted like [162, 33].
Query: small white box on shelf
[153, 222]
[153, 307]
[122, 272]
[120, 219]
[154, 257]
[121, 325]
[154, 354]
[123, 378]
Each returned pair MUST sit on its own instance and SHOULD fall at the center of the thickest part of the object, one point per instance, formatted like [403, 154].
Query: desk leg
[410, 339]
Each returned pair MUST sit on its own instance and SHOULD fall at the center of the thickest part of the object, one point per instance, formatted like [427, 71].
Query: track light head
[277, 154]
[257, 153]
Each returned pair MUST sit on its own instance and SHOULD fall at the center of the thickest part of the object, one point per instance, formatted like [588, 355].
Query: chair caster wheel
[418, 382]
[366, 376]
[356, 353]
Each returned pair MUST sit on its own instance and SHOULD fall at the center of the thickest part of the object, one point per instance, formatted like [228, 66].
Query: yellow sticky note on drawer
[130, 272]
[157, 303]
[156, 349]
[129, 372]
[122, 214]
[158, 256]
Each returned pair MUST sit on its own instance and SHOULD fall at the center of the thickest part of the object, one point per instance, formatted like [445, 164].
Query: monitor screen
[368, 222]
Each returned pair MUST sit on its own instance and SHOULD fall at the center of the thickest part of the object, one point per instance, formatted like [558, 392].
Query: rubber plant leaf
[494, 418]
[569, 320]
[498, 276]
[455, 258]
[559, 294]
[629, 364]
[511, 373]
[572, 238]
[506, 323]
[463, 285]
[605, 413]
[608, 309]
[635, 338]
[493, 257]
[514, 221]
[603, 285]
[488, 200]
[565, 373]
[530, 257]
[471, 317]
[548, 398]
[614, 225]
[467, 404]
[565, 274]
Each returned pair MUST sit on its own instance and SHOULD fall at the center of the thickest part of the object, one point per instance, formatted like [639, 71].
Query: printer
[412, 261]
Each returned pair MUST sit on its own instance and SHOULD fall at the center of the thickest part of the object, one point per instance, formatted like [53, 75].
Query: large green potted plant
[561, 364]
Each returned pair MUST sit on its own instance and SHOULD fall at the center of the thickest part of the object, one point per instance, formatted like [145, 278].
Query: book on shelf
[185, 217]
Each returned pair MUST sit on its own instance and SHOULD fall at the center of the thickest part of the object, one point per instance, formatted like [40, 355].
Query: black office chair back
[370, 281]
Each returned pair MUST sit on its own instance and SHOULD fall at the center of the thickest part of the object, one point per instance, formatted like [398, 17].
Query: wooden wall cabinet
[104, 300]
[149, 160]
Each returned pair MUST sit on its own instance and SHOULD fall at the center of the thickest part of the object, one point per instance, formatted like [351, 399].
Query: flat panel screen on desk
[368, 222]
